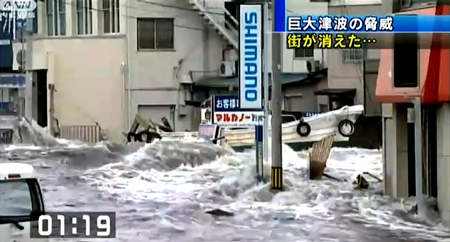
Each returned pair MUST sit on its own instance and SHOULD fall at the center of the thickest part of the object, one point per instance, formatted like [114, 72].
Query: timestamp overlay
[75, 225]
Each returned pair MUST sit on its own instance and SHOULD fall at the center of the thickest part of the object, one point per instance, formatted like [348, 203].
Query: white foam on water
[231, 176]
[21, 147]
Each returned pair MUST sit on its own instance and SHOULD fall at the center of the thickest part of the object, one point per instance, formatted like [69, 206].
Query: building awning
[434, 70]
[226, 82]
[347, 92]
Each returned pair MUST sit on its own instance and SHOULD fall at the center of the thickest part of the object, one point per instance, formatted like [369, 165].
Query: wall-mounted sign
[239, 118]
[226, 103]
[12, 81]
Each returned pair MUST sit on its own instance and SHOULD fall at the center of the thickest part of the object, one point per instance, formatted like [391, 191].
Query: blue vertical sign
[250, 56]
[250, 70]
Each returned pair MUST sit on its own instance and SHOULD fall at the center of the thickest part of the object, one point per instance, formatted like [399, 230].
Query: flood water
[160, 192]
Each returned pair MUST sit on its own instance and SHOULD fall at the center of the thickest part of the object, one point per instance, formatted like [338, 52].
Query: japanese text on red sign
[239, 118]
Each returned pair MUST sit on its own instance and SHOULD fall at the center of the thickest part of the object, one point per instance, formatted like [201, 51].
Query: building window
[111, 16]
[353, 55]
[155, 34]
[406, 60]
[84, 16]
[304, 53]
[56, 17]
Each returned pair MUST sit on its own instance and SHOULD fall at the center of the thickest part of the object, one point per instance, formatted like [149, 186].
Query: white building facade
[108, 59]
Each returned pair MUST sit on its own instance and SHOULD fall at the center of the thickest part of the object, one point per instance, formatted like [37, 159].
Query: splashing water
[161, 191]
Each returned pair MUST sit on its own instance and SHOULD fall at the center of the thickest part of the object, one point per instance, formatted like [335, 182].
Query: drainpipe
[127, 68]
[176, 77]
[123, 94]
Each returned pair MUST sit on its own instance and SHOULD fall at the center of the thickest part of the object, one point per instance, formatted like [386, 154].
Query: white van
[21, 201]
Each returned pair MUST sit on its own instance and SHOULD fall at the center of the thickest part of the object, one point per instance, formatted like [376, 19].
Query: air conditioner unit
[19, 56]
[227, 68]
[314, 66]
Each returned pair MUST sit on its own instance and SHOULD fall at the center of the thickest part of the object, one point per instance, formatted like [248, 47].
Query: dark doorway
[430, 140]
[41, 86]
[429, 157]
[411, 161]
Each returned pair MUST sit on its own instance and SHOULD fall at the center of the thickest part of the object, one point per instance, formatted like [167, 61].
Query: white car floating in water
[21, 202]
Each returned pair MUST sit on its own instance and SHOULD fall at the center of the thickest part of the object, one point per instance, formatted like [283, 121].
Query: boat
[339, 123]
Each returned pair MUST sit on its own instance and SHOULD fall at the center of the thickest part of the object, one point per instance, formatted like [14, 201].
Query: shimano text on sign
[250, 52]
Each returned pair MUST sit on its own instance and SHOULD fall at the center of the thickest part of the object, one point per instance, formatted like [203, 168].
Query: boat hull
[321, 126]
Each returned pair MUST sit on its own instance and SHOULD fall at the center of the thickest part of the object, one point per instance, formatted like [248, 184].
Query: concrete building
[398, 85]
[352, 72]
[349, 76]
[110, 59]
[299, 95]
[96, 63]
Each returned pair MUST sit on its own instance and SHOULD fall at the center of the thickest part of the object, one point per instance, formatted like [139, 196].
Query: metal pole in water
[259, 153]
[418, 153]
[267, 67]
[277, 158]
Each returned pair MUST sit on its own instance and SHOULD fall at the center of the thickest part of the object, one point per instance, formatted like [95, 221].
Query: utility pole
[29, 65]
[277, 155]
[267, 53]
